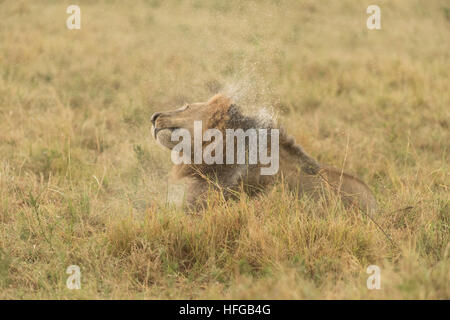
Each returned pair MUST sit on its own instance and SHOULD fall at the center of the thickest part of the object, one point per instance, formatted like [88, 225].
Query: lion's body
[297, 169]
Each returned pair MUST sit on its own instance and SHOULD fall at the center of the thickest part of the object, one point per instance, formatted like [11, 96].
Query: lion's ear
[238, 120]
[235, 112]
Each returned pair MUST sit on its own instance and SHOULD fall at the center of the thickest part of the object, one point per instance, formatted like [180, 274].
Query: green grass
[83, 183]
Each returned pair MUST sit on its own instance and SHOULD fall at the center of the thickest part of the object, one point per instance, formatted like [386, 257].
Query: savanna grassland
[83, 183]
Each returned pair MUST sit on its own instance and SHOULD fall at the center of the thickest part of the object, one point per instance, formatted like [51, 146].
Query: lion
[301, 173]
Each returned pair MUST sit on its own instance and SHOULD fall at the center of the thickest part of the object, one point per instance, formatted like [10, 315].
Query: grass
[83, 183]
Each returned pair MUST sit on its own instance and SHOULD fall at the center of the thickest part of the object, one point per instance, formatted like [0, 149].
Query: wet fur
[297, 169]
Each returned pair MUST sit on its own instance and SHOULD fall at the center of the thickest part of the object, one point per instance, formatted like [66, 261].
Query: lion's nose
[154, 116]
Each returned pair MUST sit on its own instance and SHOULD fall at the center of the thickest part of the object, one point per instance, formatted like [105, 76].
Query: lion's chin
[163, 137]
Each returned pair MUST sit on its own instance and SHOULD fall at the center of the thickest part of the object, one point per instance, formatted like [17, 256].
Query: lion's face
[212, 114]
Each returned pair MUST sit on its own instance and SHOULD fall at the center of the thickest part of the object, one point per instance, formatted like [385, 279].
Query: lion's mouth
[155, 130]
[164, 136]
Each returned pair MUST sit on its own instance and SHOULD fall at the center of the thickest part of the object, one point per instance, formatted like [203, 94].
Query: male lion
[302, 173]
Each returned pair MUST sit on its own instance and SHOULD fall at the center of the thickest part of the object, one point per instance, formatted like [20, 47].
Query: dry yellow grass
[82, 182]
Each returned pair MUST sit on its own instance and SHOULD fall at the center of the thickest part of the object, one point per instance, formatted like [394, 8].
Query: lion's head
[214, 113]
[213, 136]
